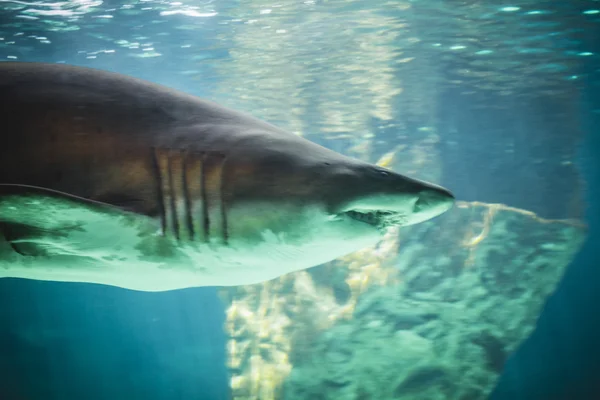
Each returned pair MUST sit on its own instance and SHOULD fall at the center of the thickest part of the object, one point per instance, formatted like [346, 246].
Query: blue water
[95, 342]
[561, 360]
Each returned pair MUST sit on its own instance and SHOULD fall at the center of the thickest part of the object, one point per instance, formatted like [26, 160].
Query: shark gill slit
[172, 196]
[186, 196]
[223, 205]
[204, 197]
[159, 190]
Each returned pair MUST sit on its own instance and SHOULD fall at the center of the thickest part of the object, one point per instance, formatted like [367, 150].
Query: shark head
[295, 204]
[382, 198]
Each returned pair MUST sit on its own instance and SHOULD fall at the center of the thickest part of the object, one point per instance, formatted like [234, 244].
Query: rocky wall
[432, 312]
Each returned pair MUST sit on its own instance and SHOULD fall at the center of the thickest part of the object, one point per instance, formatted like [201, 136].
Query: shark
[114, 180]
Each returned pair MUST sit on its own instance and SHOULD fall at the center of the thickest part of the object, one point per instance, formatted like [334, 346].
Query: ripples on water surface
[351, 58]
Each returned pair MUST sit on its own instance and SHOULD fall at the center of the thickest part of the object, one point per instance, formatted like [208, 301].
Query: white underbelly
[71, 241]
[127, 267]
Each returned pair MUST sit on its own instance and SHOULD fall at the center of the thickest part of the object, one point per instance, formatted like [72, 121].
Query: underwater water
[497, 101]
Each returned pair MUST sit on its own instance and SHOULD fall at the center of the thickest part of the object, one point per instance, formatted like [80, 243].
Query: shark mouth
[377, 218]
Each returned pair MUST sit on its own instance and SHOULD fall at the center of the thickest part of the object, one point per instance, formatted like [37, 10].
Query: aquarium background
[497, 101]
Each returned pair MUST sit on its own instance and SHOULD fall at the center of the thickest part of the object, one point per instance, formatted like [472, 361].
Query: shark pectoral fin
[37, 221]
[47, 208]
[23, 238]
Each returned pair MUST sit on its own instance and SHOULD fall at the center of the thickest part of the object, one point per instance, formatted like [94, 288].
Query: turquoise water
[491, 99]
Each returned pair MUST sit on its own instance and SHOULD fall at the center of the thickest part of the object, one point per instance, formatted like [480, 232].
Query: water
[493, 100]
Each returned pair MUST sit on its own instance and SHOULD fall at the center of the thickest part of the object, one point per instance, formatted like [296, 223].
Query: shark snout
[431, 202]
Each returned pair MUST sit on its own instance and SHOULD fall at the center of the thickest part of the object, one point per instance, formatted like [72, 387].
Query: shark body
[109, 179]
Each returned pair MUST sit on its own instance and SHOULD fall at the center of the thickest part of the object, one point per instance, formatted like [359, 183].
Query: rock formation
[432, 312]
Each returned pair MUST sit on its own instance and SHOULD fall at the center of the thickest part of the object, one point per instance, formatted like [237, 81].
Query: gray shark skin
[113, 180]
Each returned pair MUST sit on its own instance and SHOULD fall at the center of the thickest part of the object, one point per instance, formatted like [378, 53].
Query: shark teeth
[380, 219]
